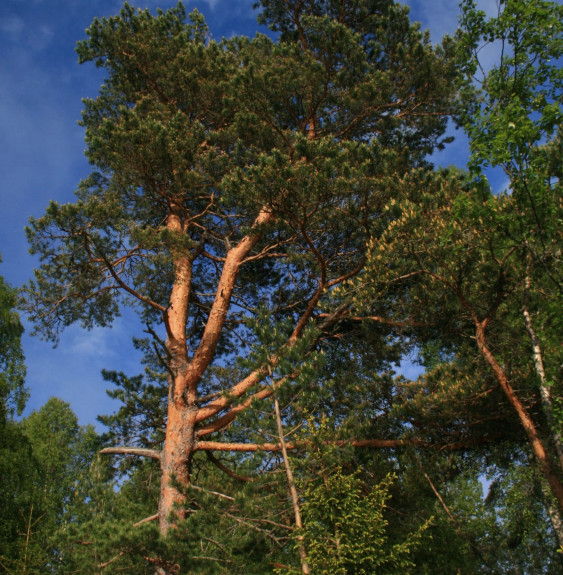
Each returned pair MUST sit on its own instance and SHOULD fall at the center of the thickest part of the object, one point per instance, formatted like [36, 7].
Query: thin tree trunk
[555, 518]
[547, 405]
[292, 489]
[527, 423]
[545, 392]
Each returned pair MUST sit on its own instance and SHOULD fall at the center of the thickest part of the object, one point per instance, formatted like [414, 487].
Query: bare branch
[146, 520]
[123, 450]
[221, 495]
[251, 447]
[107, 563]
[244, 522]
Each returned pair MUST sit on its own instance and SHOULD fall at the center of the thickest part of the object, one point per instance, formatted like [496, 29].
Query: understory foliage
[268, 209]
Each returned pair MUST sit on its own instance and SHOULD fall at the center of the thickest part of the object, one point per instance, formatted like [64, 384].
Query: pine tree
[235, 186]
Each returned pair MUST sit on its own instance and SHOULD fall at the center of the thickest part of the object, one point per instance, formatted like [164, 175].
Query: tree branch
[107, 563]
[254, 378]
[124, 450]
[225, 469]
[110, 268]
[251, 447]
[214, 326]
[146, 520]
[209, 492]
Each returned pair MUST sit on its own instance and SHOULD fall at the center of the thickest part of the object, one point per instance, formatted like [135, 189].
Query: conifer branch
[256, 377]
[275, 539]
[110, 268]
[112, 560]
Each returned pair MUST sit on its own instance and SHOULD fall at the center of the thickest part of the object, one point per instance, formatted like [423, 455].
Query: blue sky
[42, 159]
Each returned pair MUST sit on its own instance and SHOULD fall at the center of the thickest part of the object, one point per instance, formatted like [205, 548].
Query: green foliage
[17, 474]
[518, 124]
[516, 496]
[13, 394]
[219, 130]
[45, 461]
[521, 94]
[518, 127]
[344, 529]
[455, 256]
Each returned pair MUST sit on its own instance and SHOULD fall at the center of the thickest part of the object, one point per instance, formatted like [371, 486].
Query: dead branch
[221, 495]
[107, 563]
[123, 450]
[146, 520]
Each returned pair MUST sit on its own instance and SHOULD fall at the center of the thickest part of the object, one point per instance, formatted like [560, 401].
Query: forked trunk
[180, 438]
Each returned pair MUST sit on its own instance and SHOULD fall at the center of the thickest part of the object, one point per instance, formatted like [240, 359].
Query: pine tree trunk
[175, 463]
[186, 372]
[180, 428]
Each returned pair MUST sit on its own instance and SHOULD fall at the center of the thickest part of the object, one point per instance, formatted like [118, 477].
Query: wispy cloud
[12, 25]
[212, 3]
[72, 371]
[96, 342]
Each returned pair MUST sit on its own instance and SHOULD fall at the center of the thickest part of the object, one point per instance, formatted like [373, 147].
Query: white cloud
[72, 371]
[96, 342]
[212, 3]
[35, 38]
[40, 38]
[12, 25]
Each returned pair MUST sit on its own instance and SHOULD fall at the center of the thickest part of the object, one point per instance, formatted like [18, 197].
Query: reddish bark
[176, 453]
[175, 462]
[250, 447]
[180, 441]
